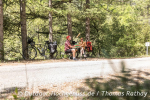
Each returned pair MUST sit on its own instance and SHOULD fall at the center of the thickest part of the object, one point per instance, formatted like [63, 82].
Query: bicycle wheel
[47, 51]
[29, 53]
[54, 56]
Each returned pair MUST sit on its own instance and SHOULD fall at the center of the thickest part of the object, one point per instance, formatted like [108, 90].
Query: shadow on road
[128, 84]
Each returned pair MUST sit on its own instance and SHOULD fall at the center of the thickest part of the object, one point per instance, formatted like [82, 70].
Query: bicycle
[31, 51]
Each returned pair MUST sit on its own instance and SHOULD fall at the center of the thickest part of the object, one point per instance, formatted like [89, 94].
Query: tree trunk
[23, 25]
[69, 21]
[1, 32]
[148, 10]
[50, 23]
[87, 22]
[50, 26]
[87, 29]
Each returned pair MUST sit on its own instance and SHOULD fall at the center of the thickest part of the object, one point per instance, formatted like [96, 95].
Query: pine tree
[1, 32]
[23, 25]
[50, 23]
[87, 22]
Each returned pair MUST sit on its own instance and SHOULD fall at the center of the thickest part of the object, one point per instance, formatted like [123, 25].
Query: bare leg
[81, 52]
[74, 53]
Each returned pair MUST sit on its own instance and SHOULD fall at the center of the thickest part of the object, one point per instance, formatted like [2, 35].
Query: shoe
[75, 59]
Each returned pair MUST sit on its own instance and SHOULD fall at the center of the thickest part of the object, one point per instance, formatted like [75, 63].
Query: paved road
[51, 73]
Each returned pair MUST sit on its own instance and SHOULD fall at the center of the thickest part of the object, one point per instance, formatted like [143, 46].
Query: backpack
[89, 46]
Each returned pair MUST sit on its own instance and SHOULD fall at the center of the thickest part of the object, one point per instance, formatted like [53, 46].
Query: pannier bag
[89, 46]
[53, 47]
[30, 40]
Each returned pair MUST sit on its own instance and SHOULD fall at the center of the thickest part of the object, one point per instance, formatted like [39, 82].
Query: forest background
[116, 28]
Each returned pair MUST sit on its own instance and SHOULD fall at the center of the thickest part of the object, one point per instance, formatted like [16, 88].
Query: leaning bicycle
[48, 51]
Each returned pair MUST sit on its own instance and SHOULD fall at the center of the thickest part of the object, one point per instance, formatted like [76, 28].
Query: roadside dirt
[22, 62]
[39, 61]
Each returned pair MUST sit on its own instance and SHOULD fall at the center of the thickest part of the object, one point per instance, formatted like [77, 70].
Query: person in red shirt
[69, 47]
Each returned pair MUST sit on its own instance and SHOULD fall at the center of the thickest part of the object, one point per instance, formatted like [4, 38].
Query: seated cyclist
[69, 47]
[82, 48]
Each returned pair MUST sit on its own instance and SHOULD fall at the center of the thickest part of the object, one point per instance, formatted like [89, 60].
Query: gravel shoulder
[39, 61]
[22, 62]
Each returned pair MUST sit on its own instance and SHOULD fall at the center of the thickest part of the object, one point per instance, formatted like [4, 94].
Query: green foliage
[118, 28]
[16, 93]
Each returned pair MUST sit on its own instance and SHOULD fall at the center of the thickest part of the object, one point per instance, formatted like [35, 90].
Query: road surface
[52, 73]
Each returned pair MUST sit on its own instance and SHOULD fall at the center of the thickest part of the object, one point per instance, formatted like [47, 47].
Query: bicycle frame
[41, 52]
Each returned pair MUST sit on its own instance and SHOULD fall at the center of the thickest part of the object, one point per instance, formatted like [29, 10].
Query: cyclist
[69, 47]
[83, 45]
